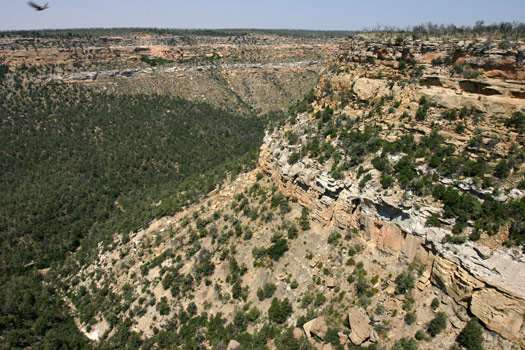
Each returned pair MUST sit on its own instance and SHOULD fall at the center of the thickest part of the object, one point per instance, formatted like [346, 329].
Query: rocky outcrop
[490, 284]
[359, 324]
[234, 345]
[316, 327]
[366, 89]
[487, 56]
[501, 312]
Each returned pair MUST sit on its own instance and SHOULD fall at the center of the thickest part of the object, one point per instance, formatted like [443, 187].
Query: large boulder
[316, 327]
[234, 345]
[360, 325]
[297, 333]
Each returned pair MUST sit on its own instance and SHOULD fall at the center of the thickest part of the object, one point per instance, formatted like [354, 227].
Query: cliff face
[487, 279]
[490, 287]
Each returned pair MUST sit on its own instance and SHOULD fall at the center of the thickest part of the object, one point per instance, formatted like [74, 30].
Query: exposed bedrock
[490, 285]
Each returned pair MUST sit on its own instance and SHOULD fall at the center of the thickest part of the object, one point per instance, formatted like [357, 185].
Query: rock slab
[360, 325]
[316, 327]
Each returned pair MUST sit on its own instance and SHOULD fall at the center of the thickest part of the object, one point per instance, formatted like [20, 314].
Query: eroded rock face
[387, 237]
[491, 283]
[359, 324]
[456, 281]
[500, 312]
[483, 291]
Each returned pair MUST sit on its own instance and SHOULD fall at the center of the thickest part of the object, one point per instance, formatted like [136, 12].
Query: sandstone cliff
[489, 282]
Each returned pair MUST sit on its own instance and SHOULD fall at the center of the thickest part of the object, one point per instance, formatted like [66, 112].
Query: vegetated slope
[390, 193]
[75, 162]
[244, 88]
[241, 71]
[109, 157]
[69, 154]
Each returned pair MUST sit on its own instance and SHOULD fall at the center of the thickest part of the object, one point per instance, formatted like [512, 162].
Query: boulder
[359, 324]
[316, 327]
[327, 347]
[297, 333]
[343, 338]
[234, 345]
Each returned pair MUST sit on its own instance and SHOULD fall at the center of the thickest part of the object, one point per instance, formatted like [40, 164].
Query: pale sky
[267, 14]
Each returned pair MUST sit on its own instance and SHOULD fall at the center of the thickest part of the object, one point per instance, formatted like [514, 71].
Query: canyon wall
[491, 287]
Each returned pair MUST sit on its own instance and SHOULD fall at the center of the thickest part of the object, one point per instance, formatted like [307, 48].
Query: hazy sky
[295, 14]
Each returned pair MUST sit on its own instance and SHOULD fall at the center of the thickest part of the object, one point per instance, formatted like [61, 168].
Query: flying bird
[38, 7]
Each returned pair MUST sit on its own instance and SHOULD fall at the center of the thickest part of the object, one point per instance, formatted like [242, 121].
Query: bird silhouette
[38, 7]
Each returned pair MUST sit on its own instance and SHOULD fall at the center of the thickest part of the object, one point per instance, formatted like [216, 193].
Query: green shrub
[435, 303]
[380, 309]
[334, 237]
[364, 180]
[433, 220]
[421, 113]
[517, 121]
[155, 61]
[502, 170]
[406, 344]
[236, 290]
[279, 311]
[438, 61]
[386, 181]
[292, 231]
[420, 335]
[404, 281]
[253, 314]
[408, 304]
[454, 239]
[471, 337]
[320, 299]
[162, 306]
[460, 128]
[276, 250]
[437, 324]
[4, 69]
[304, 220]
[306, 300]
[294, 158]
[331, 336]
[268, 290]
[192, 309]
[410, 318]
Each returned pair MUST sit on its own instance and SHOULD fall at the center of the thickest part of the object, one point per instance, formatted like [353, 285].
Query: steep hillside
[104, 130]
[387, 211]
